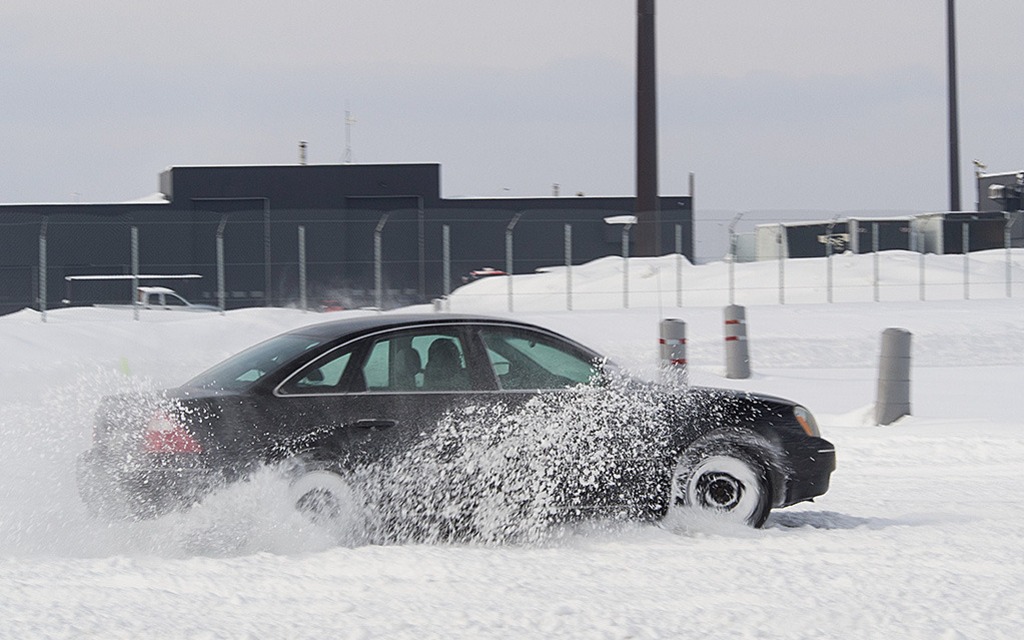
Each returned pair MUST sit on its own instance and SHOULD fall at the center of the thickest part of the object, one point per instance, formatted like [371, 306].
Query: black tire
[320, 492]
[723, 481]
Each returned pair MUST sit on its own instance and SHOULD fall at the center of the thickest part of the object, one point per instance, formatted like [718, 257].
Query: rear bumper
[118, 490]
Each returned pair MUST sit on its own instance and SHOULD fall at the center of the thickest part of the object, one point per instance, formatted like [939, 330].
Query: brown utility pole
[648, 231]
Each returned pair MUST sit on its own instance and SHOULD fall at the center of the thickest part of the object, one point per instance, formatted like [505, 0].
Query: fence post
[874, 250]
[267, 297]
[568, 267]
[1007, 242]
[782, 265]
[220, 263]
[509, 265]
[966, 240]
[732, 258]
[302, 269]
[679, 265]
[672, 345]
[625, 266]
[737, 355]
[135, 273]
[378, 267]
[42, 269]
[446, 264]
[828, 258]
[920, 262]
[893, 400]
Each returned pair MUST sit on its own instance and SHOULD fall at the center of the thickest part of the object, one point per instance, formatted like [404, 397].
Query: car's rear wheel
[321, 494]
[727, 483]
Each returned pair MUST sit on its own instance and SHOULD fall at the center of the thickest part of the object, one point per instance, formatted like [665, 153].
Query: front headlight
[806, 420]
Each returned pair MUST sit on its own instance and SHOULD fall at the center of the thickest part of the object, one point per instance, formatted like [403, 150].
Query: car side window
[525, 360]
[324, 376]
[434, 361]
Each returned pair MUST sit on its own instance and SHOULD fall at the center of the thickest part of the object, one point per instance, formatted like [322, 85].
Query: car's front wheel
[729, 484]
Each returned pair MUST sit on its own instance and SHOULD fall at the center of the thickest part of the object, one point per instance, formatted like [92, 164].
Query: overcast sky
[799, 104]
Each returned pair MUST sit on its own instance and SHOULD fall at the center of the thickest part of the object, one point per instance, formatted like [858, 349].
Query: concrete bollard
[737, 356]
[893, 401]
[672, 345]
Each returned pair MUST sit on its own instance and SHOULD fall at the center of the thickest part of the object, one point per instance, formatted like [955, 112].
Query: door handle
[373, 423]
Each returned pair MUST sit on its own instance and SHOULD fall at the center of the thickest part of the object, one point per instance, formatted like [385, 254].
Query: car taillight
[163, 435]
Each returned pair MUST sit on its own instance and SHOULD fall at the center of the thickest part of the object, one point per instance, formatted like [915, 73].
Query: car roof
[369, 323]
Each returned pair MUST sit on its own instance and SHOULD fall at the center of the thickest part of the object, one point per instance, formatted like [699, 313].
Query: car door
[367, 399]
[409, 381]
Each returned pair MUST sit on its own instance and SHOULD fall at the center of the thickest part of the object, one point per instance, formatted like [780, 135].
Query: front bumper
[811, 462]
[157, 485]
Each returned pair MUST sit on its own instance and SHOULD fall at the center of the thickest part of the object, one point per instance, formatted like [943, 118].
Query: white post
[672, 345]
[737, 354]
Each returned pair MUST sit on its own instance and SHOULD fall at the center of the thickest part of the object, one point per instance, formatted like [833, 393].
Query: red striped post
[737, 355]
[672, 345]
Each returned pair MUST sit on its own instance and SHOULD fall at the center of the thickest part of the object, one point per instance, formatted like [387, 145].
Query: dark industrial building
[343, 208]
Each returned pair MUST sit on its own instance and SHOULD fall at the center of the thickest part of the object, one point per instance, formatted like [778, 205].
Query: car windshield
[244, 369]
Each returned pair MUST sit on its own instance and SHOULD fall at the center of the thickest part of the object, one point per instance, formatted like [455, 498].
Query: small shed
[944, 233]
[801, 239]
[888, 233]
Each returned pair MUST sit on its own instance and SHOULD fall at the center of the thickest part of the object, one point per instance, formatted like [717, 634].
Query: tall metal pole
[648, 217]
[954, 127]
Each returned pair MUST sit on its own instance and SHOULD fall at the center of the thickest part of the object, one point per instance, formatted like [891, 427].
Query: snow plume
[502, 474]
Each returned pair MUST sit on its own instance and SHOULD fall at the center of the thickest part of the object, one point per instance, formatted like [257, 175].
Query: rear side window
[430, 361]
[525, 360]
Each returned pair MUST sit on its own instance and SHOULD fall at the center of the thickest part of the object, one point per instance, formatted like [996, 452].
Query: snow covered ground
[920, 535]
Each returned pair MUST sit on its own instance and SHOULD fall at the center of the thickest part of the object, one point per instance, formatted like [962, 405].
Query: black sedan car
[422, 419]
